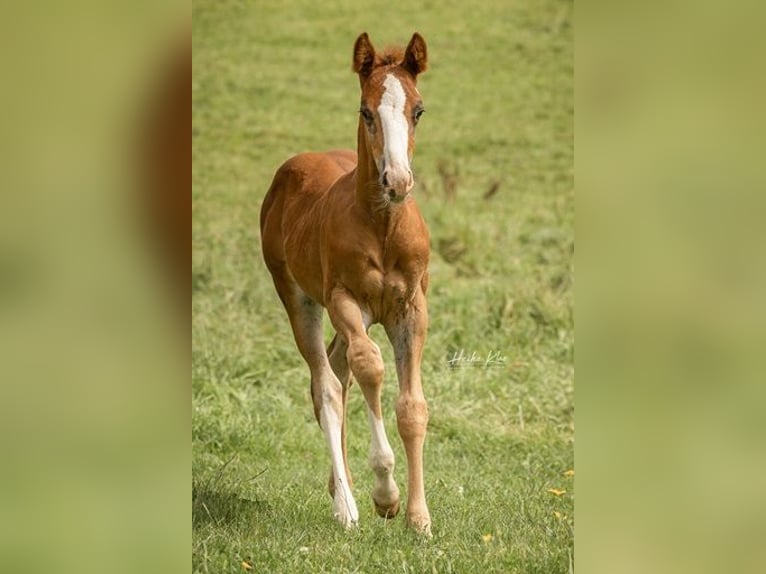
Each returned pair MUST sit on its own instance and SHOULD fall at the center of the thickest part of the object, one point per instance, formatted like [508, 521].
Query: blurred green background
[94, 395]
[671, 273]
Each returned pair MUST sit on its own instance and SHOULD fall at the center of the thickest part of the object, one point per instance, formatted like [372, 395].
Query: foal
[340, 230]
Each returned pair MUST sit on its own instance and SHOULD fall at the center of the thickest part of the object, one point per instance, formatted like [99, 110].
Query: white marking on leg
[344, 505]
[396, 129]
[381, 460]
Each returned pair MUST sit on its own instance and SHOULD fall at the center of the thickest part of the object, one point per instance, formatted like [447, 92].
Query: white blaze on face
[395, 128]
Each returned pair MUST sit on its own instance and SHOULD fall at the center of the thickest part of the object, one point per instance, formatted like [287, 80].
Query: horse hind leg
[326, 390]
[336, 353]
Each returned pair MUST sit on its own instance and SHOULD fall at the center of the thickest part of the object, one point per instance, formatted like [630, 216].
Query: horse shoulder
[351, 259]
[346, 239]
[411, 242]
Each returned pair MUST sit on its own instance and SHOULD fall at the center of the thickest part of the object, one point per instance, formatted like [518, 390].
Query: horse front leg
[366, 363]
[408, 334]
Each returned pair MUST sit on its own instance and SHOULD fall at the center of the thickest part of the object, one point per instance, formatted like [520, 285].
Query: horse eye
[418, 113]
[366, 114]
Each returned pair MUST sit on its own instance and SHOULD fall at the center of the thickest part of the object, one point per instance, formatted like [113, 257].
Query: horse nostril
[385, 179]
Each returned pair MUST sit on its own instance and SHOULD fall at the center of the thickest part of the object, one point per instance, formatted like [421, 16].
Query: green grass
[272, 79]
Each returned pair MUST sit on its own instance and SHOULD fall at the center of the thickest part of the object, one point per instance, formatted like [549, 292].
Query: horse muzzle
[397, 183]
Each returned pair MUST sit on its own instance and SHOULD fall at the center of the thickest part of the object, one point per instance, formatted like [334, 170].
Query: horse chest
[380, 263]
[385, 290]
[375, 283]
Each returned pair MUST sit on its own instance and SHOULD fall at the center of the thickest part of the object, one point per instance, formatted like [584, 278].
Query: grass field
[494, 166]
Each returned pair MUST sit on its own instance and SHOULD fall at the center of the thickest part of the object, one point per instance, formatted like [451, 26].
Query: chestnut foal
[340, 230]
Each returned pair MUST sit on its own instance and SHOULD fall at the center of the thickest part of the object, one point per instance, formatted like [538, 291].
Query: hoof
[386, 510]
[420, 523]
[346, 520]
[344, 508]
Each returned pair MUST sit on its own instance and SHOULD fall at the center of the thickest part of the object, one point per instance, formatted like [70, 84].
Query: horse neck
[367, 174]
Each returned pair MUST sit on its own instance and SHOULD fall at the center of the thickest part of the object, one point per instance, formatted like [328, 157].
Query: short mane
[391, 56]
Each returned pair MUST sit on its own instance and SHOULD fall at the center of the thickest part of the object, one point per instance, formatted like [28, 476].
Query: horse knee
[366, 362]
[411, 417]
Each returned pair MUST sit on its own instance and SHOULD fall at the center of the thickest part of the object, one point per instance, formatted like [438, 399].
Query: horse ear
[364, 56]
[416, 56]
